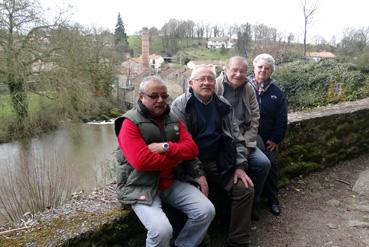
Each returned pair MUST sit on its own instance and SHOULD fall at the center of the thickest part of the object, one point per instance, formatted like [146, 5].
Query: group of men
[199, 154]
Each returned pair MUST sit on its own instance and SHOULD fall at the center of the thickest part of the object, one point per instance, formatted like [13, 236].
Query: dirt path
[320, 209]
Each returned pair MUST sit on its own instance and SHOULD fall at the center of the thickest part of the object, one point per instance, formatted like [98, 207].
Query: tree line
[177, 35]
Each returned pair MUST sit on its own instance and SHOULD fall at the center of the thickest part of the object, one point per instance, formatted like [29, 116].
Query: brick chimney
[145, 48]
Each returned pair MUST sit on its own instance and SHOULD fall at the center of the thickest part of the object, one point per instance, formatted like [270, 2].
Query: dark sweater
[208, 129]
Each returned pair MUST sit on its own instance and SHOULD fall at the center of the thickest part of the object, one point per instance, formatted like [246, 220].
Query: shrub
[309, 84]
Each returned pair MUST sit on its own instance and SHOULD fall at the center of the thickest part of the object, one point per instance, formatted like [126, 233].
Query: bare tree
[308, 11]
[24, 41]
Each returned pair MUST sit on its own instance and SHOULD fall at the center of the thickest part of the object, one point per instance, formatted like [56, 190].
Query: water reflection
[81, 153]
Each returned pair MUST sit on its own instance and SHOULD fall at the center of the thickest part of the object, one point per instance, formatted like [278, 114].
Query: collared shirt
[203, 102]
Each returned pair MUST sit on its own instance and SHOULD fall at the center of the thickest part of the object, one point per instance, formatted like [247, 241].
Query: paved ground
[326, 208]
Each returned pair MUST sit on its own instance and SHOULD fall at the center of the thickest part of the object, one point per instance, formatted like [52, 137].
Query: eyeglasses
[204, 78]
[164, 96]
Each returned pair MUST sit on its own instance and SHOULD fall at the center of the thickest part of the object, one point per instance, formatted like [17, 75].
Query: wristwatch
[166, 146]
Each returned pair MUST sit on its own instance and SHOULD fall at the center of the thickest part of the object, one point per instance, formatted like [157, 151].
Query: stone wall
[324, 137]
[316, 139]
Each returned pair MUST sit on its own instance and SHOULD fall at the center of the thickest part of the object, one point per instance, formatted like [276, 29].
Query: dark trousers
[234, 204]
[270, 190]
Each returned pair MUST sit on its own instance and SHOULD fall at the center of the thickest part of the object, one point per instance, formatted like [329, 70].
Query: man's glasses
[164, 96]
[204, 78]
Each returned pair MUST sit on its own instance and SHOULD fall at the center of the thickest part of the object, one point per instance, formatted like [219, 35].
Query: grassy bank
[47, 114]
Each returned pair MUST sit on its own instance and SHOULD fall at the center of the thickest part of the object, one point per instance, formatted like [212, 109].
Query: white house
[156, 61]
[220, 42]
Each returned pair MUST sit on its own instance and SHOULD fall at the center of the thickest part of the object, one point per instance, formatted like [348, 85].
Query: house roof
[321, 54]
[154, 56]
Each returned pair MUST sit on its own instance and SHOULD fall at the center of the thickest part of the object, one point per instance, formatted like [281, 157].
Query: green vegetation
[46, 114]
[6, 109]
[36, 103]
[71, 67]
[120, 37]
[204, 54]
[310, 84]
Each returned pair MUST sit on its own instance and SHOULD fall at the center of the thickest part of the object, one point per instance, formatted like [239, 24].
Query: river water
[79, 157]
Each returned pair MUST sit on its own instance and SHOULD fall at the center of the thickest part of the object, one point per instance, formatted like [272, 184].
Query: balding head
[202, 81]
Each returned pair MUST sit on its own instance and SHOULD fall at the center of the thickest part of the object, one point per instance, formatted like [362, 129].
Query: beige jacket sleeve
[252, 115]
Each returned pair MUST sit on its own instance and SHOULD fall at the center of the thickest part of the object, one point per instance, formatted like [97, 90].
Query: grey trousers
[235, 203]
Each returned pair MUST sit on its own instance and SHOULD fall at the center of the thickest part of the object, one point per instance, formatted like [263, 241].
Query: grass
[6, 108]
[36, 104]
[209, 54]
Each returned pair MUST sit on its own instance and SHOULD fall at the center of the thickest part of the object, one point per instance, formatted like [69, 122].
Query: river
[79, 157]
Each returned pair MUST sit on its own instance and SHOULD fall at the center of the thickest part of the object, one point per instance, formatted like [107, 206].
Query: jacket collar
[222, 104]
[261, 88]
[146, 113]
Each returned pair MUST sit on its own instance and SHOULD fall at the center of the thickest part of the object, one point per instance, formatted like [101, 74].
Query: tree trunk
[18, 96]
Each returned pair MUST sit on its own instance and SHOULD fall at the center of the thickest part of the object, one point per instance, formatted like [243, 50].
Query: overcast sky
[331, 18]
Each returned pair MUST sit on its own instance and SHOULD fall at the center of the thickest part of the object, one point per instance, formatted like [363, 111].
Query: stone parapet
[323, 137]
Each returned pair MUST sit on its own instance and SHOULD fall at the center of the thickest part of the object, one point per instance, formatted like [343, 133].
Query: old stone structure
[145, 49]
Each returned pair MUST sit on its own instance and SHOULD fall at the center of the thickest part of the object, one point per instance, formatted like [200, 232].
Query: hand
[203, 183]
[271, 146]
[241, 174]
[156, 147]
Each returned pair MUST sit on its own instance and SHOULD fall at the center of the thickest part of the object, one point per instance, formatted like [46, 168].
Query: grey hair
[265, 57]
[227, 65]
[200, 66]
[146, 80]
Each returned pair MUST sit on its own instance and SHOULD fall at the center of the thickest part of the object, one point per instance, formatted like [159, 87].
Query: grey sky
[331, 18]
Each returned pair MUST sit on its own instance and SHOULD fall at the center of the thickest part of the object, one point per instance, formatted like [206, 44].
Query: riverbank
[46, 115]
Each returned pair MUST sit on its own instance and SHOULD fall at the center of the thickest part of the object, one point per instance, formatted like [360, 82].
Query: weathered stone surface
[342, 108]
[357, 223]
[333, 203]
[323, 137]
[362, 184]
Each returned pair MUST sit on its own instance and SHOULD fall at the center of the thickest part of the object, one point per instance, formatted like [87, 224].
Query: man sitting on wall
[154, 142]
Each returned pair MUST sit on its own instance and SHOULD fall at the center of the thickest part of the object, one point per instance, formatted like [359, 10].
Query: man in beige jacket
[233, 85]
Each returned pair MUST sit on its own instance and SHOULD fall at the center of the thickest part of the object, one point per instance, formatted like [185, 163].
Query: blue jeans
[188, 199]
[258, 170]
